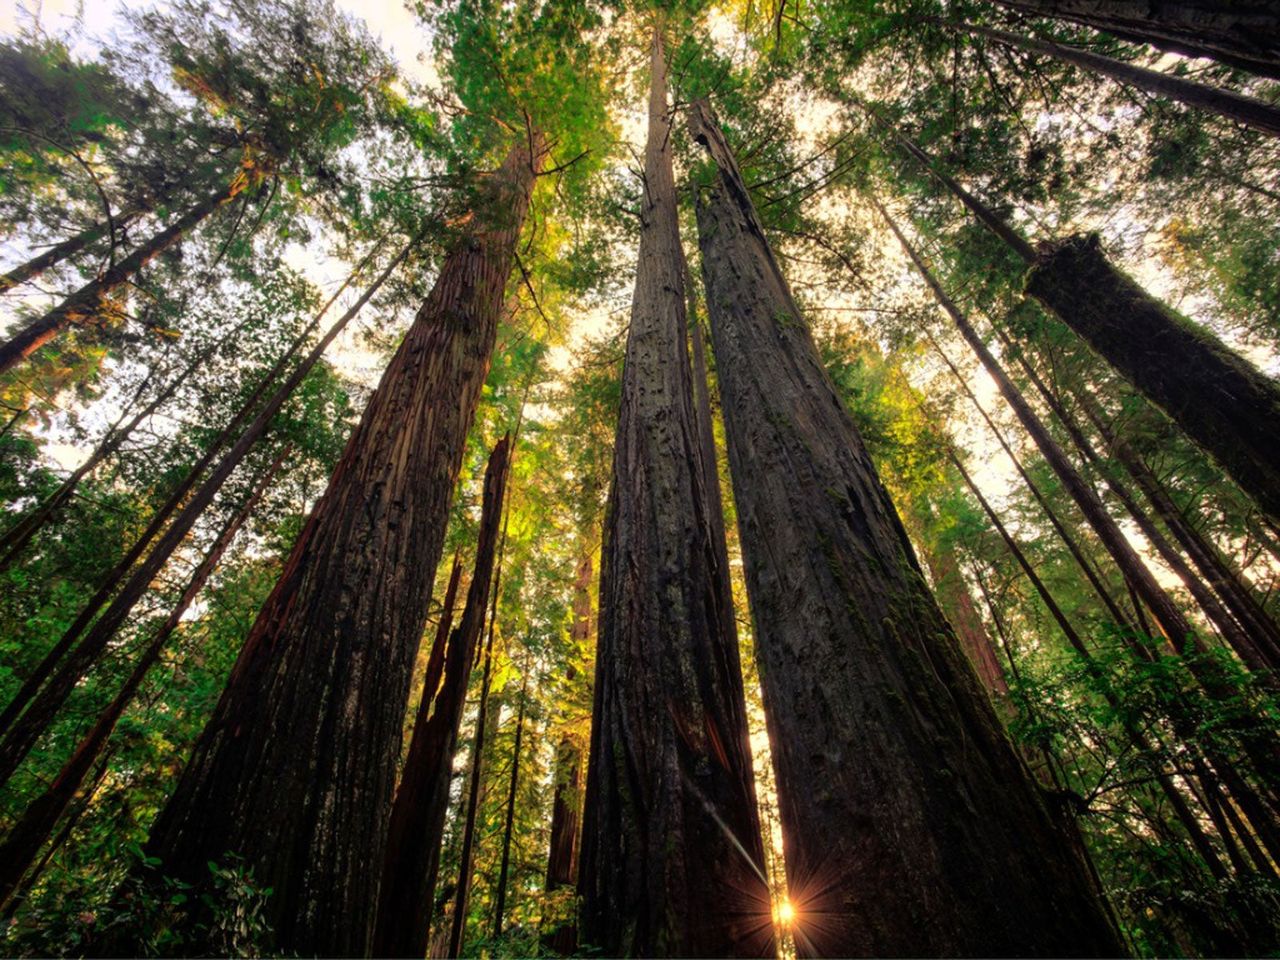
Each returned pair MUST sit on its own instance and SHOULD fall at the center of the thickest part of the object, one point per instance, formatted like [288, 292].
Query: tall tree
[1241, 34]
[904, 808]
[672, 860]
[1219, 399]
[318, 694]
[412, 861]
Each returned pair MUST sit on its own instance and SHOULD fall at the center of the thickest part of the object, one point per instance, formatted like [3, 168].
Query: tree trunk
[1239, 34]
[562, 858]
[412, 861]
[15, 540]
[672, 858]
[41, 816]
[1189, 821]
[953, 595]
[474, 797]
[504, 870]
[83, 305]
[295, 771]
[1254, 738]
[31, 686]
[37, 265]
[1060, 528]
[1225, 103]
[1240, 639]
[904, 808]
[1218, 398]
[1221, 401]
[42, 702]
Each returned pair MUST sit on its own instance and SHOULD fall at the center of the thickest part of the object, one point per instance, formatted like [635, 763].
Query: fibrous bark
[905, 810]
[672, 860]
[295, 771]
[412, 861]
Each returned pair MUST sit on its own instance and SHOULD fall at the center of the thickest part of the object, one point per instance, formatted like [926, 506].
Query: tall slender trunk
[15, 540]
[42, 702]
[1220, 400]
[1232, 630]
[562, 857]
[178, 496]
[474, 796]
[83, 305]
[41, 816]
[509, 823]
[672, 858]
[412, 861]
[54, 255]
[296, 769]
[904, 808]
[1060, 528]
[1239, 34]
[1225, 103]
[1253, 736]
[1215, 569]
[1176, 800]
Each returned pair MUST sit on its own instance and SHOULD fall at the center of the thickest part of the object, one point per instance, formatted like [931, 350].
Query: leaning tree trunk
[1254, 738]
[953, 593]
[1225, 103]
[295, 771]
[1221, 401]
[412, 861]
[85, 304]
[33, 268]
[904, 808]
[1243, 33]
[41, 816]
[672, 858]
[43, 693]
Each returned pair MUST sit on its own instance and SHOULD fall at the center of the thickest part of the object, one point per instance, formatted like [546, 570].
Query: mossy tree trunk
[295, 772]
[904, 808]
[672, 859]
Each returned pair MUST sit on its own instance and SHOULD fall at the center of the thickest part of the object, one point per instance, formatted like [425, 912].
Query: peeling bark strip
[296, 769]
[906, 813]
[1241, 33]
[412, 860]
[672, 861]
[1222, 402]
[84, 305]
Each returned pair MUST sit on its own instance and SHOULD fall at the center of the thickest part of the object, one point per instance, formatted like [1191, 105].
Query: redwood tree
[296, 769]
[672, 861]
[905, 811]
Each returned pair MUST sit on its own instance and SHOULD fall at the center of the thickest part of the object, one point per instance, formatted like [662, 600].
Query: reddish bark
[412, 861]
[295, 772]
